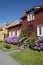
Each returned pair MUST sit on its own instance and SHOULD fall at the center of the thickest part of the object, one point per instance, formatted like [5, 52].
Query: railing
[22, 39]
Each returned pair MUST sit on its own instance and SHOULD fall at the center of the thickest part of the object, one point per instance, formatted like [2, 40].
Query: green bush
[7, 46]
[32, 39]
[6, 35]
[23, 33]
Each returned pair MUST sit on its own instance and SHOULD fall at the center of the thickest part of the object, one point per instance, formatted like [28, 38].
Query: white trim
[18, 32]
[11, 33]
[38, 31]
[31, 16]
[13, 24]
[28, 17]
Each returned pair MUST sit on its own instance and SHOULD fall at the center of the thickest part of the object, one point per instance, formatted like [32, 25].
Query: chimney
[24, 12]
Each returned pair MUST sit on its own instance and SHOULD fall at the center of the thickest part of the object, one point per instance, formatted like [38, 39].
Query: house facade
[31, 20]
[3, 31]
[14, 28]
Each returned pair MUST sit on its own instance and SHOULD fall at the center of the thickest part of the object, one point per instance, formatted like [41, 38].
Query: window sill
[30, 20]
[39, 35]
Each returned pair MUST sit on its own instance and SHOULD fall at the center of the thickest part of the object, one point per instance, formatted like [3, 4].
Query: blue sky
[11, 10]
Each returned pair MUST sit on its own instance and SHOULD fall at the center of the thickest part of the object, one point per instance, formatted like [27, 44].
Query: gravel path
[13, 51]
[5, 59]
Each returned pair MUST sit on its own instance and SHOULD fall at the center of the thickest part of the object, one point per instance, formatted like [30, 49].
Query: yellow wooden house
[3, 31]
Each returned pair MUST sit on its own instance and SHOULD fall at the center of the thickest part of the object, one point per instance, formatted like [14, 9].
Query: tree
[23, 33]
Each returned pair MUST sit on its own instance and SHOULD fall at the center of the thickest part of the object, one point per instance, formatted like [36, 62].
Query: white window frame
[38, 31]
[31, 16]
[18, 32]
[11, 33]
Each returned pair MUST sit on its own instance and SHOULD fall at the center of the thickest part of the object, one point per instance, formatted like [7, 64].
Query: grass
[2, 46]
[29, 57]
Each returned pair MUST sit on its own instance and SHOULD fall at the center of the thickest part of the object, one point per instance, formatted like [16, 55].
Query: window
[12, 33]
[31, 27]
[31, 16]
[39, 30]
[18, 32]
[9, 34]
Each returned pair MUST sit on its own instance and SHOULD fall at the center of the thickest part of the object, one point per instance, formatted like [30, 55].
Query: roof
[4, 26]
[35, 8]
[23, 17]
[15, 23]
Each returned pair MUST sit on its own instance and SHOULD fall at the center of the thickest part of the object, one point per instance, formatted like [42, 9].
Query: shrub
[32, 39]
[23, 33]
[38, 45]
[41, 47]
[13, 40]
[7, 46]
[6, 35]
[8, 40]
[40, 38]
[37, 48]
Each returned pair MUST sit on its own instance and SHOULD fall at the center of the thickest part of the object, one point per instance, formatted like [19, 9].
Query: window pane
[40, 32]
[13, 33]
[18, 32]
[31, 16]
[9, 34]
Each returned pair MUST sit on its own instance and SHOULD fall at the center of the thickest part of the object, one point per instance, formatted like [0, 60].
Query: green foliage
[7, 46]
[23, 33]
[32, 39]
[6, 35]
